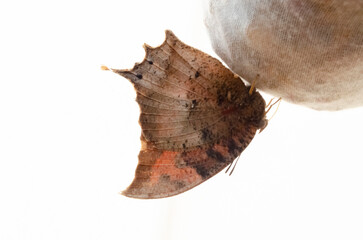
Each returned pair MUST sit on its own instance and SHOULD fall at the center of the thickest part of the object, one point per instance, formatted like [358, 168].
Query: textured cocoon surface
[308, 52]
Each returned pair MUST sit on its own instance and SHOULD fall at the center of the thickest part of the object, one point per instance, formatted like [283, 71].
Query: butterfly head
[253, 109]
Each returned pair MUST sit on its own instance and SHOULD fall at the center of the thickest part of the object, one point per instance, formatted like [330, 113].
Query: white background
[69, 139]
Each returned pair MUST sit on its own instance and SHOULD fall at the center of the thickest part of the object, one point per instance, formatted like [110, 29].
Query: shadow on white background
[69, 139]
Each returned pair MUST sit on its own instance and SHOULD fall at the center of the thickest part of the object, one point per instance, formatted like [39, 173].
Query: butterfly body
[196, 118]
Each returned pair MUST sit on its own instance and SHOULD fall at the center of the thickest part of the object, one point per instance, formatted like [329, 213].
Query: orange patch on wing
[165, 165]
[221, 149]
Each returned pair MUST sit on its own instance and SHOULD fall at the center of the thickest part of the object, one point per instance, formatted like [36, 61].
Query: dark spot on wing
[220, 100]
[216, 155]
[206, 134]
[202, 171]
[194, 104]
[179, 184]
[242, 141]
[197, 74]
[164, 178]
[232, 147]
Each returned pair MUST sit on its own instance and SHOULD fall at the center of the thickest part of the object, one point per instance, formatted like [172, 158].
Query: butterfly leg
[269, 106]
[235, 163]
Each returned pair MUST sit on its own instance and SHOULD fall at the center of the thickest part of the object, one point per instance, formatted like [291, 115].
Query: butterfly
[196, 118]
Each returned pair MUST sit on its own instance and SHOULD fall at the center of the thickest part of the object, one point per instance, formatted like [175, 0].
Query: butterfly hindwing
[164, 173]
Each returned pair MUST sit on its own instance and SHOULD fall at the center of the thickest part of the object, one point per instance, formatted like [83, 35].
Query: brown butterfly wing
[196, 118]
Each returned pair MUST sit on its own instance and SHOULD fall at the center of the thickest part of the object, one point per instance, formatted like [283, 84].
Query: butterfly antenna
[253, 84]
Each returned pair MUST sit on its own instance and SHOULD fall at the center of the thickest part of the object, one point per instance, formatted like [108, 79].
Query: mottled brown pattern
[196, 118]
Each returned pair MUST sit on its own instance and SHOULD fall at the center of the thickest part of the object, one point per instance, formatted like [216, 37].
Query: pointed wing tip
[168, 32]
[147, 47]
[104, 68]
[129, 194]
[122, 72]
[126, 193]
[170, 35]
[140, 194]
